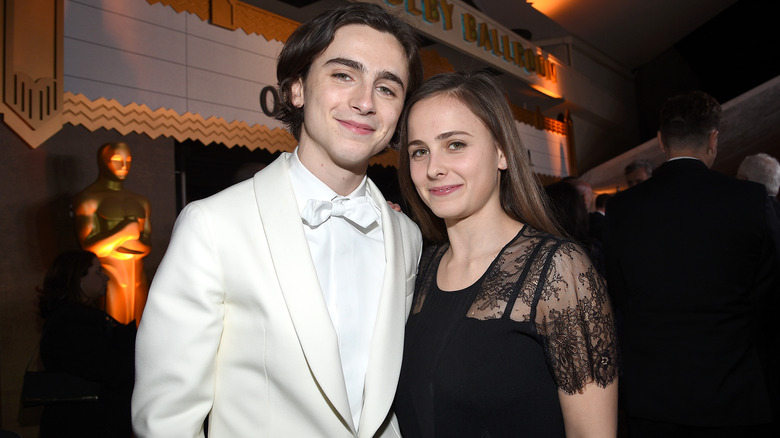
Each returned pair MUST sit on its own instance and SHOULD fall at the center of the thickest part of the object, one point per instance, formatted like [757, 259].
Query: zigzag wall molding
[110, 114]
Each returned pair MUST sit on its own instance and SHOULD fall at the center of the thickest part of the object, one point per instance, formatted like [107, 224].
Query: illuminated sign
[480, 36]
[268, 95]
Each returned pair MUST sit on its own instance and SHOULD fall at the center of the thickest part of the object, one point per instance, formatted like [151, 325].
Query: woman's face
[93, 283]
[453, 159]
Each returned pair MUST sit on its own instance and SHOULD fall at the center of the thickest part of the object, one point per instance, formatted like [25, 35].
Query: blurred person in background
[638, 171]
[764, 169]
[81, 339]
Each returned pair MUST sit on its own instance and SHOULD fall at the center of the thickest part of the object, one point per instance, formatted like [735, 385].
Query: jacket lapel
[384, 362]
[297, 278]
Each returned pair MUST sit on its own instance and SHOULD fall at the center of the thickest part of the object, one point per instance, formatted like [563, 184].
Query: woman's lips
[443, 190]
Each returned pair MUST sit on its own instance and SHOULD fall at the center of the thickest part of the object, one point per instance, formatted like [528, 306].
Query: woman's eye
[417, 153]
[457, 145]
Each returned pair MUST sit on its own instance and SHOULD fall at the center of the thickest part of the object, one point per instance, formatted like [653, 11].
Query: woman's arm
[592, 413]
[581, 341]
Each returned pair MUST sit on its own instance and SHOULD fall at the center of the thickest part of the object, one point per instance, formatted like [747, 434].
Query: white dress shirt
[350, 266]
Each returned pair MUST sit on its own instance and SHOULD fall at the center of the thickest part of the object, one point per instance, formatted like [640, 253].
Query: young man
[277, 312]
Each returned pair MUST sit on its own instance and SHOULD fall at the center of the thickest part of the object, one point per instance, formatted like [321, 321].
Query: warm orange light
[546, 91]
[550, 7]
[114, 224]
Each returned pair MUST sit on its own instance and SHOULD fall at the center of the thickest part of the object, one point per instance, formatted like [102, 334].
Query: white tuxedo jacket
[236, 327]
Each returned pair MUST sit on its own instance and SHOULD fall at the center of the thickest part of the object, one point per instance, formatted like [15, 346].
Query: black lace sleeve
[575, 318]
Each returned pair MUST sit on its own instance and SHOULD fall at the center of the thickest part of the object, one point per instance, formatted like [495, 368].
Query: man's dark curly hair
[314, 36]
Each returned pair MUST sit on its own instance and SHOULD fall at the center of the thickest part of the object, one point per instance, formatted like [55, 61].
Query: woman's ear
[501, 159]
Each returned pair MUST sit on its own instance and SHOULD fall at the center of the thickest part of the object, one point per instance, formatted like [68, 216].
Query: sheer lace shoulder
[549, 282]
[576, 321]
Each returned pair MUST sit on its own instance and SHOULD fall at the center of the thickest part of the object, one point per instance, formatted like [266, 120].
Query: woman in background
[511, 331]
[81, 339]
[568, 209]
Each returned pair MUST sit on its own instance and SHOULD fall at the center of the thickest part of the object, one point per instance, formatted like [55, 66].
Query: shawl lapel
[298, 281]
[384, 362]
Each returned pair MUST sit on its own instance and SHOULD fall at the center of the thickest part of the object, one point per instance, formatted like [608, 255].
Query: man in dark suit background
[691, 261]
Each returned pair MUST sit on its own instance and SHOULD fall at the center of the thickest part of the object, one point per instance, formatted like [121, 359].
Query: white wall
[134, 52]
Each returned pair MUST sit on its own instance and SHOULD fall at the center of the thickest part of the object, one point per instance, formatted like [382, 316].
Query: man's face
[637, 176]
[352, 97]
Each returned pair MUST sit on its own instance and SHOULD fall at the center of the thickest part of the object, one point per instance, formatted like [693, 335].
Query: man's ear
[712, 143]
[296, 93]
[661, 143]
[712, 148]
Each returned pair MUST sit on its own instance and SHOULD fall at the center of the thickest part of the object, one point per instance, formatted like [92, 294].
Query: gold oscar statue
[114, 223]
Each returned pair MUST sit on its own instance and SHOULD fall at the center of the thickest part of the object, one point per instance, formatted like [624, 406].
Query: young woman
[511, 332]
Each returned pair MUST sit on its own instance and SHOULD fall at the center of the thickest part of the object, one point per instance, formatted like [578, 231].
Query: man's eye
[386, 91]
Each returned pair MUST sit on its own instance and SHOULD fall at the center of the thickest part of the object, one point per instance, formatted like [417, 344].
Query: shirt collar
[307, 186]
[683, 158]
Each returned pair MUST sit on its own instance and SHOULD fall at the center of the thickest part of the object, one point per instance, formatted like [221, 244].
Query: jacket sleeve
[179, 334]
[412, 244]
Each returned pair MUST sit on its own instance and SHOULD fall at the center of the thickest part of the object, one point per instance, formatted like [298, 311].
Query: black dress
[88, 343]
[490, 360]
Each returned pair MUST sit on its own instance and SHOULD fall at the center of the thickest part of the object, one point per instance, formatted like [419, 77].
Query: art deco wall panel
[32, 69]
[186, 69]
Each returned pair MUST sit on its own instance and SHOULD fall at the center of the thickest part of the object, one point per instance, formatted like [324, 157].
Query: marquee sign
[468, 30]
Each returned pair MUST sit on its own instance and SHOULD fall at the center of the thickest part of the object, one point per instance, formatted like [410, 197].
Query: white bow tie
[357, 210]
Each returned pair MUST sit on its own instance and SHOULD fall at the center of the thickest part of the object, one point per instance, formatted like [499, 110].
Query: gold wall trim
[234, 14]
[434, 63]
[197, 7]
[110, 114]
[538, 120]
[34, 106]
[31, 41]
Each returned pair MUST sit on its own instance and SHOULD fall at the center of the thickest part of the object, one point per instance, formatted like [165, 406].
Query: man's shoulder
[410, 232]
[737, 190]
[619, 199]
[699, 192]
[228, 195]
[406, 222]
[407, 225]
[673, 177]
